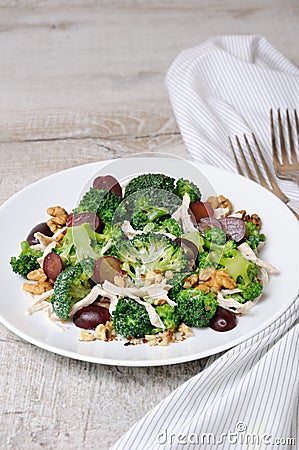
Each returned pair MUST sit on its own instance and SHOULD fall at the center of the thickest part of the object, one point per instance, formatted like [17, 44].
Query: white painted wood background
[82, 81]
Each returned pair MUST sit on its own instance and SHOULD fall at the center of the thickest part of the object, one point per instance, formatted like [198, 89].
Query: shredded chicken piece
[182, 215]
[58, 233]
[89, 298]
[43, 239]
[129, 231]
[169, 235]
[47, 250]
[221, 212]
[153, 315]
[37, 299]
[264, 277]
[113, 303]
[153, 291]
[249, 254]
[41, 306]
[107, 246]
[225, 292]
[234, 306]
[138, 293]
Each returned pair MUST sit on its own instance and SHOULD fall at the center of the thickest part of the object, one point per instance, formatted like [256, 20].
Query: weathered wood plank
[80, 125]
[57, 403]
[82, 81]
[90, 57]
[24, 163]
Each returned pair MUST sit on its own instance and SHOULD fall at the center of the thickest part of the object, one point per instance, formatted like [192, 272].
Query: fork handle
[293, 211]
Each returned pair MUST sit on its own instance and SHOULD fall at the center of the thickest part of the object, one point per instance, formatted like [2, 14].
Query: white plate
[28, 207]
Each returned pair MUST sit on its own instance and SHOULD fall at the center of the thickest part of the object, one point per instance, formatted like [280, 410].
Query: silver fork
[258, 176]
[285, 168]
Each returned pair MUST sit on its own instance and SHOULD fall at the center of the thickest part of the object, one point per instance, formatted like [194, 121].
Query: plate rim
[139, 362]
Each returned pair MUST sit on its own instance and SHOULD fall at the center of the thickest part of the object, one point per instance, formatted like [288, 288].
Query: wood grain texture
[56, 56]
[83, 81]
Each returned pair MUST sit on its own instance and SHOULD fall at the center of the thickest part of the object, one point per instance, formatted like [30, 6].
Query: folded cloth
[245, 399]
[248, 397]
[226, 87]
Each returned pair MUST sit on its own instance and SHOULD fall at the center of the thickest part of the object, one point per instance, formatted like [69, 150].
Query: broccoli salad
[145, 262]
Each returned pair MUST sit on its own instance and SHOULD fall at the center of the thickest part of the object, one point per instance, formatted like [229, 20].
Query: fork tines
[285, 149]
[263, 177]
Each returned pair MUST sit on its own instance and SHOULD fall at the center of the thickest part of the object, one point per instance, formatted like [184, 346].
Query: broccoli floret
[87, 266]
[144, 213]
[139, 220]
[176, 283]
[146, 206]
[196, 308]
[112, 251]
[150, 252]
[253, 236]
[204, 261]
[107, 234]
[149, 180]
[131, 319]
[80, 242]
[99, 201]
[186, 186]
[237, 297]
[215, 236]
[244, 273]
[26, 261]
[229, 248]
[168, 225]
[169, 316]
[239, 268]
[70, 286]
[216, 252]
[251, 290]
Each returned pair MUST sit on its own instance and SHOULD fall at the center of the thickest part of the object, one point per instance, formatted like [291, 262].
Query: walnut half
[221, 204]
[254, 218]
[43, 284]
[59, 218]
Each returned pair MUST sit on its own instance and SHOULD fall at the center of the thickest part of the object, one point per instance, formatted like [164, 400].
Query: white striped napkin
[226, 87]
[248, 397]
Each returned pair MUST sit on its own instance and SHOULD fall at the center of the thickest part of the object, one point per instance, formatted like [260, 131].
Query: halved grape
[200, 210]
[208, 222]
[91, 218]
[40, 228]
[106, 268]
[234, 227]
[109, 183]
[189, 247]
[224, 320]
[52, 265]
[89, 317]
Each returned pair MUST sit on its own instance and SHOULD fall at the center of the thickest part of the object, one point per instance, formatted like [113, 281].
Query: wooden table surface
[83, 81]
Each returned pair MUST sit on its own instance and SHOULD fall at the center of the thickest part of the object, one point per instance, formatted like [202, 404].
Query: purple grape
[224, 320]
[40, 228]
[234, 227]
